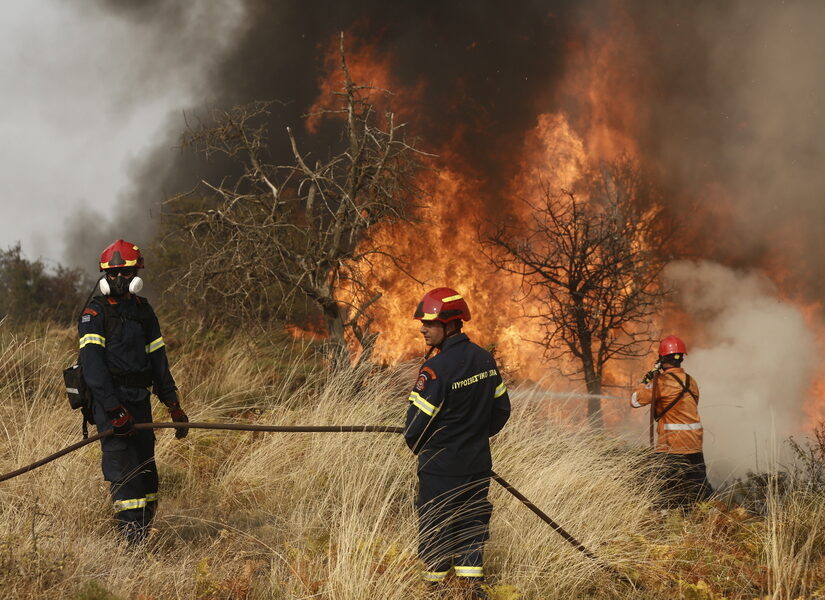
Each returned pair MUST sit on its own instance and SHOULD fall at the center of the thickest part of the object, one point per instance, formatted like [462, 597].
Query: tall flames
[603, 113]
[442, 248]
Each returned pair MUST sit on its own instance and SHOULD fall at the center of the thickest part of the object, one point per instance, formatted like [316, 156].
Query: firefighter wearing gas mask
[457, 403]
[673, 398]
[123, 355]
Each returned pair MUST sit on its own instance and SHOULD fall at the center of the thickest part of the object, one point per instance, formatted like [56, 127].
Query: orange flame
[443, 249]
[601, 120]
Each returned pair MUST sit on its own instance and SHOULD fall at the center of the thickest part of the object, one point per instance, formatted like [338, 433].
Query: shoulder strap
[685, 390]
[685, 385]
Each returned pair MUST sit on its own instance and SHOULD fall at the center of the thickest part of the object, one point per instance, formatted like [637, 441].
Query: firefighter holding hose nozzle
[673, 397]
[457, 403]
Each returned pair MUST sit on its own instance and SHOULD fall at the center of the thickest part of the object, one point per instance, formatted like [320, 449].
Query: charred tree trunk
[594, 389]
[592, 377]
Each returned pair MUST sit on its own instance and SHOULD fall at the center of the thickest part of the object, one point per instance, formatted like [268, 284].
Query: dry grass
[330, 516]
[794, 541]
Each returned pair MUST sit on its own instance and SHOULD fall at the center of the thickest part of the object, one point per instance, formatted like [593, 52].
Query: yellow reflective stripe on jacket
[469, 571]
[121, 505]
[152, 497]
[500, 390]
[433, 575]
[92, 338]
[158, 343]
[422, 405]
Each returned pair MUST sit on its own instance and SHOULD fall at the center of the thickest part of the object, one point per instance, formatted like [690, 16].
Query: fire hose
[318, 429]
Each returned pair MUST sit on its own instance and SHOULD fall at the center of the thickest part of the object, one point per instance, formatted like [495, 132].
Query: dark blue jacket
[457, 403]
[124, 352]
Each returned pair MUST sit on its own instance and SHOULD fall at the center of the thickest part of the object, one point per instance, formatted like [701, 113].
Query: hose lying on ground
[316, 429]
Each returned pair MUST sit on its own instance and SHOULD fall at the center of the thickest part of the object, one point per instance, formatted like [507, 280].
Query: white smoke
[754, 359]
[87, 90]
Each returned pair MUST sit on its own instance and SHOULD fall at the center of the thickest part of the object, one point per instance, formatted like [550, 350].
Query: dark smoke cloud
[732, 94]
[737, 118]
[736, 128]
[484, 68]
[170, 46]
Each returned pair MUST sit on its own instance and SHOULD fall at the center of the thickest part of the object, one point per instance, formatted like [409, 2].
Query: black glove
[123, 423]
[652, 373]
[178, 416]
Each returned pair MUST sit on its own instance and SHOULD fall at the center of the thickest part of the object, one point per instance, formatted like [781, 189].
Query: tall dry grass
[794, 542]
[293, 515]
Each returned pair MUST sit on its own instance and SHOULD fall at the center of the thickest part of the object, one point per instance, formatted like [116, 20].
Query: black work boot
[435, 589]
[469, 588]
[478, 593]
[134, 533]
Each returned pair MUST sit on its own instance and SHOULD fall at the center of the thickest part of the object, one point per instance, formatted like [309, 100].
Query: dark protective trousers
[684, 480]
[129, 467]
[454, 518]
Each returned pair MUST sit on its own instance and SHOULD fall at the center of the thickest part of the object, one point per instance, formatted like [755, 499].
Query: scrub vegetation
[247, 516]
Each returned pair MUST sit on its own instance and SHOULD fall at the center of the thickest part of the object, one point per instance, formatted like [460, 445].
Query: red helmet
[672, 345]
[442, 304]
[121, 254]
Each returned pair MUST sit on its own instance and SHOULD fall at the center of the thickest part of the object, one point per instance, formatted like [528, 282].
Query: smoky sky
[482, 72]
[737, 126]
[731, 95]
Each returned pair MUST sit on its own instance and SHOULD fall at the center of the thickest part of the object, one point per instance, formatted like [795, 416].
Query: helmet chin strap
[447, 334]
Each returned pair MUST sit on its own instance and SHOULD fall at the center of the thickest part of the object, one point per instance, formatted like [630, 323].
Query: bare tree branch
[299, 230]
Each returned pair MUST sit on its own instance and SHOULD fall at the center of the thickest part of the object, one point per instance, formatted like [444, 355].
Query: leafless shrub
[277, 234]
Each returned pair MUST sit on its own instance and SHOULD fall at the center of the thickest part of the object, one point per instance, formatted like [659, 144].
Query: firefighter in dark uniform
[122, 355]
[458, 402]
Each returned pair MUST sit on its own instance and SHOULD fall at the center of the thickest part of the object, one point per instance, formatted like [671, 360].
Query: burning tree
[299, 229]
[592, 261]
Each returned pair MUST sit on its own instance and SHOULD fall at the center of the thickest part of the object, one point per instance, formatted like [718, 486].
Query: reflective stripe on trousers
[460, 571]
[469, 571]
[132, 503]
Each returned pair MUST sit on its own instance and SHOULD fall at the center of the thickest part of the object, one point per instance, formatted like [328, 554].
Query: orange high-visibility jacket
[679, 431]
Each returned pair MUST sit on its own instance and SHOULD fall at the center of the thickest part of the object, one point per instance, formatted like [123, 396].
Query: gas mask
[119, 281]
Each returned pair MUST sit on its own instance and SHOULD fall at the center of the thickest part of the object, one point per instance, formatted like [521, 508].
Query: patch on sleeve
[424, 377]
[85, 318]
[90, 311]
